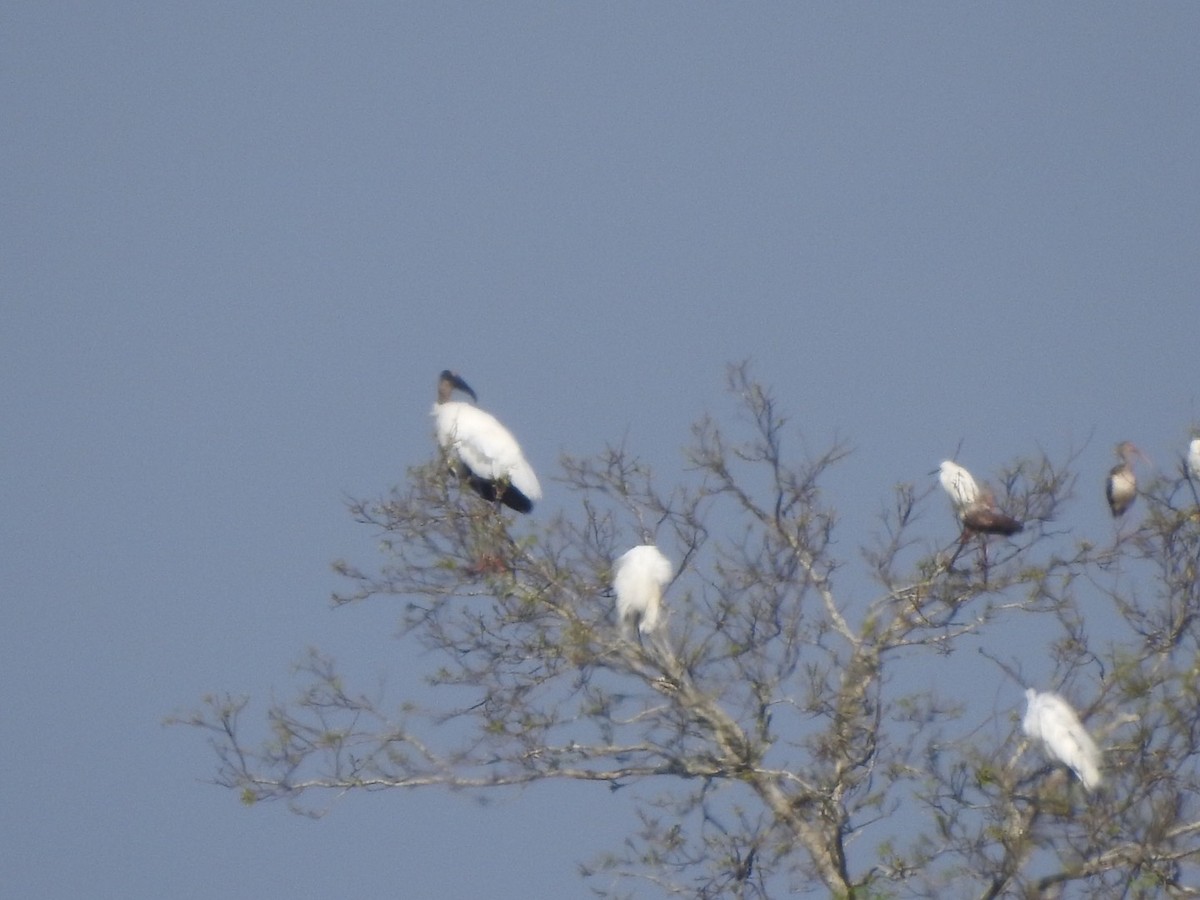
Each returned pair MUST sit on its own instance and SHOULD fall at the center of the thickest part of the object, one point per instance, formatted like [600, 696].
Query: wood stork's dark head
[448, 382]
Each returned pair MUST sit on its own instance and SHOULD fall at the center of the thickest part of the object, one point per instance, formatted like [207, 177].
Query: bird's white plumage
[958, 483]
[640, 576]
[1050, 720]
[1193, 459]
[484, 446]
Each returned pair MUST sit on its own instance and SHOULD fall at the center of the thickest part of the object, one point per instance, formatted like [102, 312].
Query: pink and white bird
[485, 452]
[639, 577]
[1051, 721]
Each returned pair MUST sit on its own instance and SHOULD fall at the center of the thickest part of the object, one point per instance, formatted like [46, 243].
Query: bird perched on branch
[639, 577]
[1050, 720]
[484, 451]
[983, 517]
[959, 485]
[975, 509]
[1121, 487]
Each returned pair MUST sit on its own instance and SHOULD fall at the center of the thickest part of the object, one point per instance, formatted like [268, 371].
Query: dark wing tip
[514, 499]
[489, 490]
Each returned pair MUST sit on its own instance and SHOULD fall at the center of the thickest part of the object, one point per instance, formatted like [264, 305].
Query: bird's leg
[1192, 484]
[983, 554]
[501, 485]
[962, 542]
[629, 630]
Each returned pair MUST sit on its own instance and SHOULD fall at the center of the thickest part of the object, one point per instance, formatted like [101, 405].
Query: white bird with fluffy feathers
[1050, 720]
[639, 577]
[495, 466]
[958, 483]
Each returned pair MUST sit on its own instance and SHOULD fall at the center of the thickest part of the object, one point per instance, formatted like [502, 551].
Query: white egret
[486, 452]
[1051, 721]
[639, 577]
[1121, 487]
[958, 483]
[1193, 459]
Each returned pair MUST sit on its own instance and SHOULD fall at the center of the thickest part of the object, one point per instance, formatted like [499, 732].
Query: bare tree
[785, 732]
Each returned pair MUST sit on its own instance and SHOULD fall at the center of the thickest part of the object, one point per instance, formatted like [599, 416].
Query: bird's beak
[461, 385]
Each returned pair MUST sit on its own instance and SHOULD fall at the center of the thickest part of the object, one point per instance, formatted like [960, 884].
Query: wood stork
[1121, 486]
[639, 577]
[486, 453]
[1050, 720]
[1193, 460]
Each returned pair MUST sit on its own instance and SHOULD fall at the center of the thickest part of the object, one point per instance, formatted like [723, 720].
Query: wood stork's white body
[496, 467]
[1051, 721]
[1193, 459]
[639, 577]
[959, 485]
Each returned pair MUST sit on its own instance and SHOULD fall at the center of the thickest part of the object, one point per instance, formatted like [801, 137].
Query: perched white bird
[639, 577]
[489, 456]
[1121, 486]
[1193, 459]
[1051, 720]
[958, 483]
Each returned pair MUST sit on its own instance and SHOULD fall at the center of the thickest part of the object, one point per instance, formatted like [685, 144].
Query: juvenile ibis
[983, 517]
[1051, 721]
[1121, 487]
[639, 577]
[486, 453]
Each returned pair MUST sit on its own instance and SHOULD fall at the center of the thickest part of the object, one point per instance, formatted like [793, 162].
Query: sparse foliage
[805, 722]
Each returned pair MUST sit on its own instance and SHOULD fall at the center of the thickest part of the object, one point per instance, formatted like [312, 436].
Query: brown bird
[983, 517]
[1121, 487]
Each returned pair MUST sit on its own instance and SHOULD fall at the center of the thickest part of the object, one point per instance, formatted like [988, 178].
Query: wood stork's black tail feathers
[493, 491]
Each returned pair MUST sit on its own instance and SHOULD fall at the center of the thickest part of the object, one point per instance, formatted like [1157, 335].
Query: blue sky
[239, 245]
